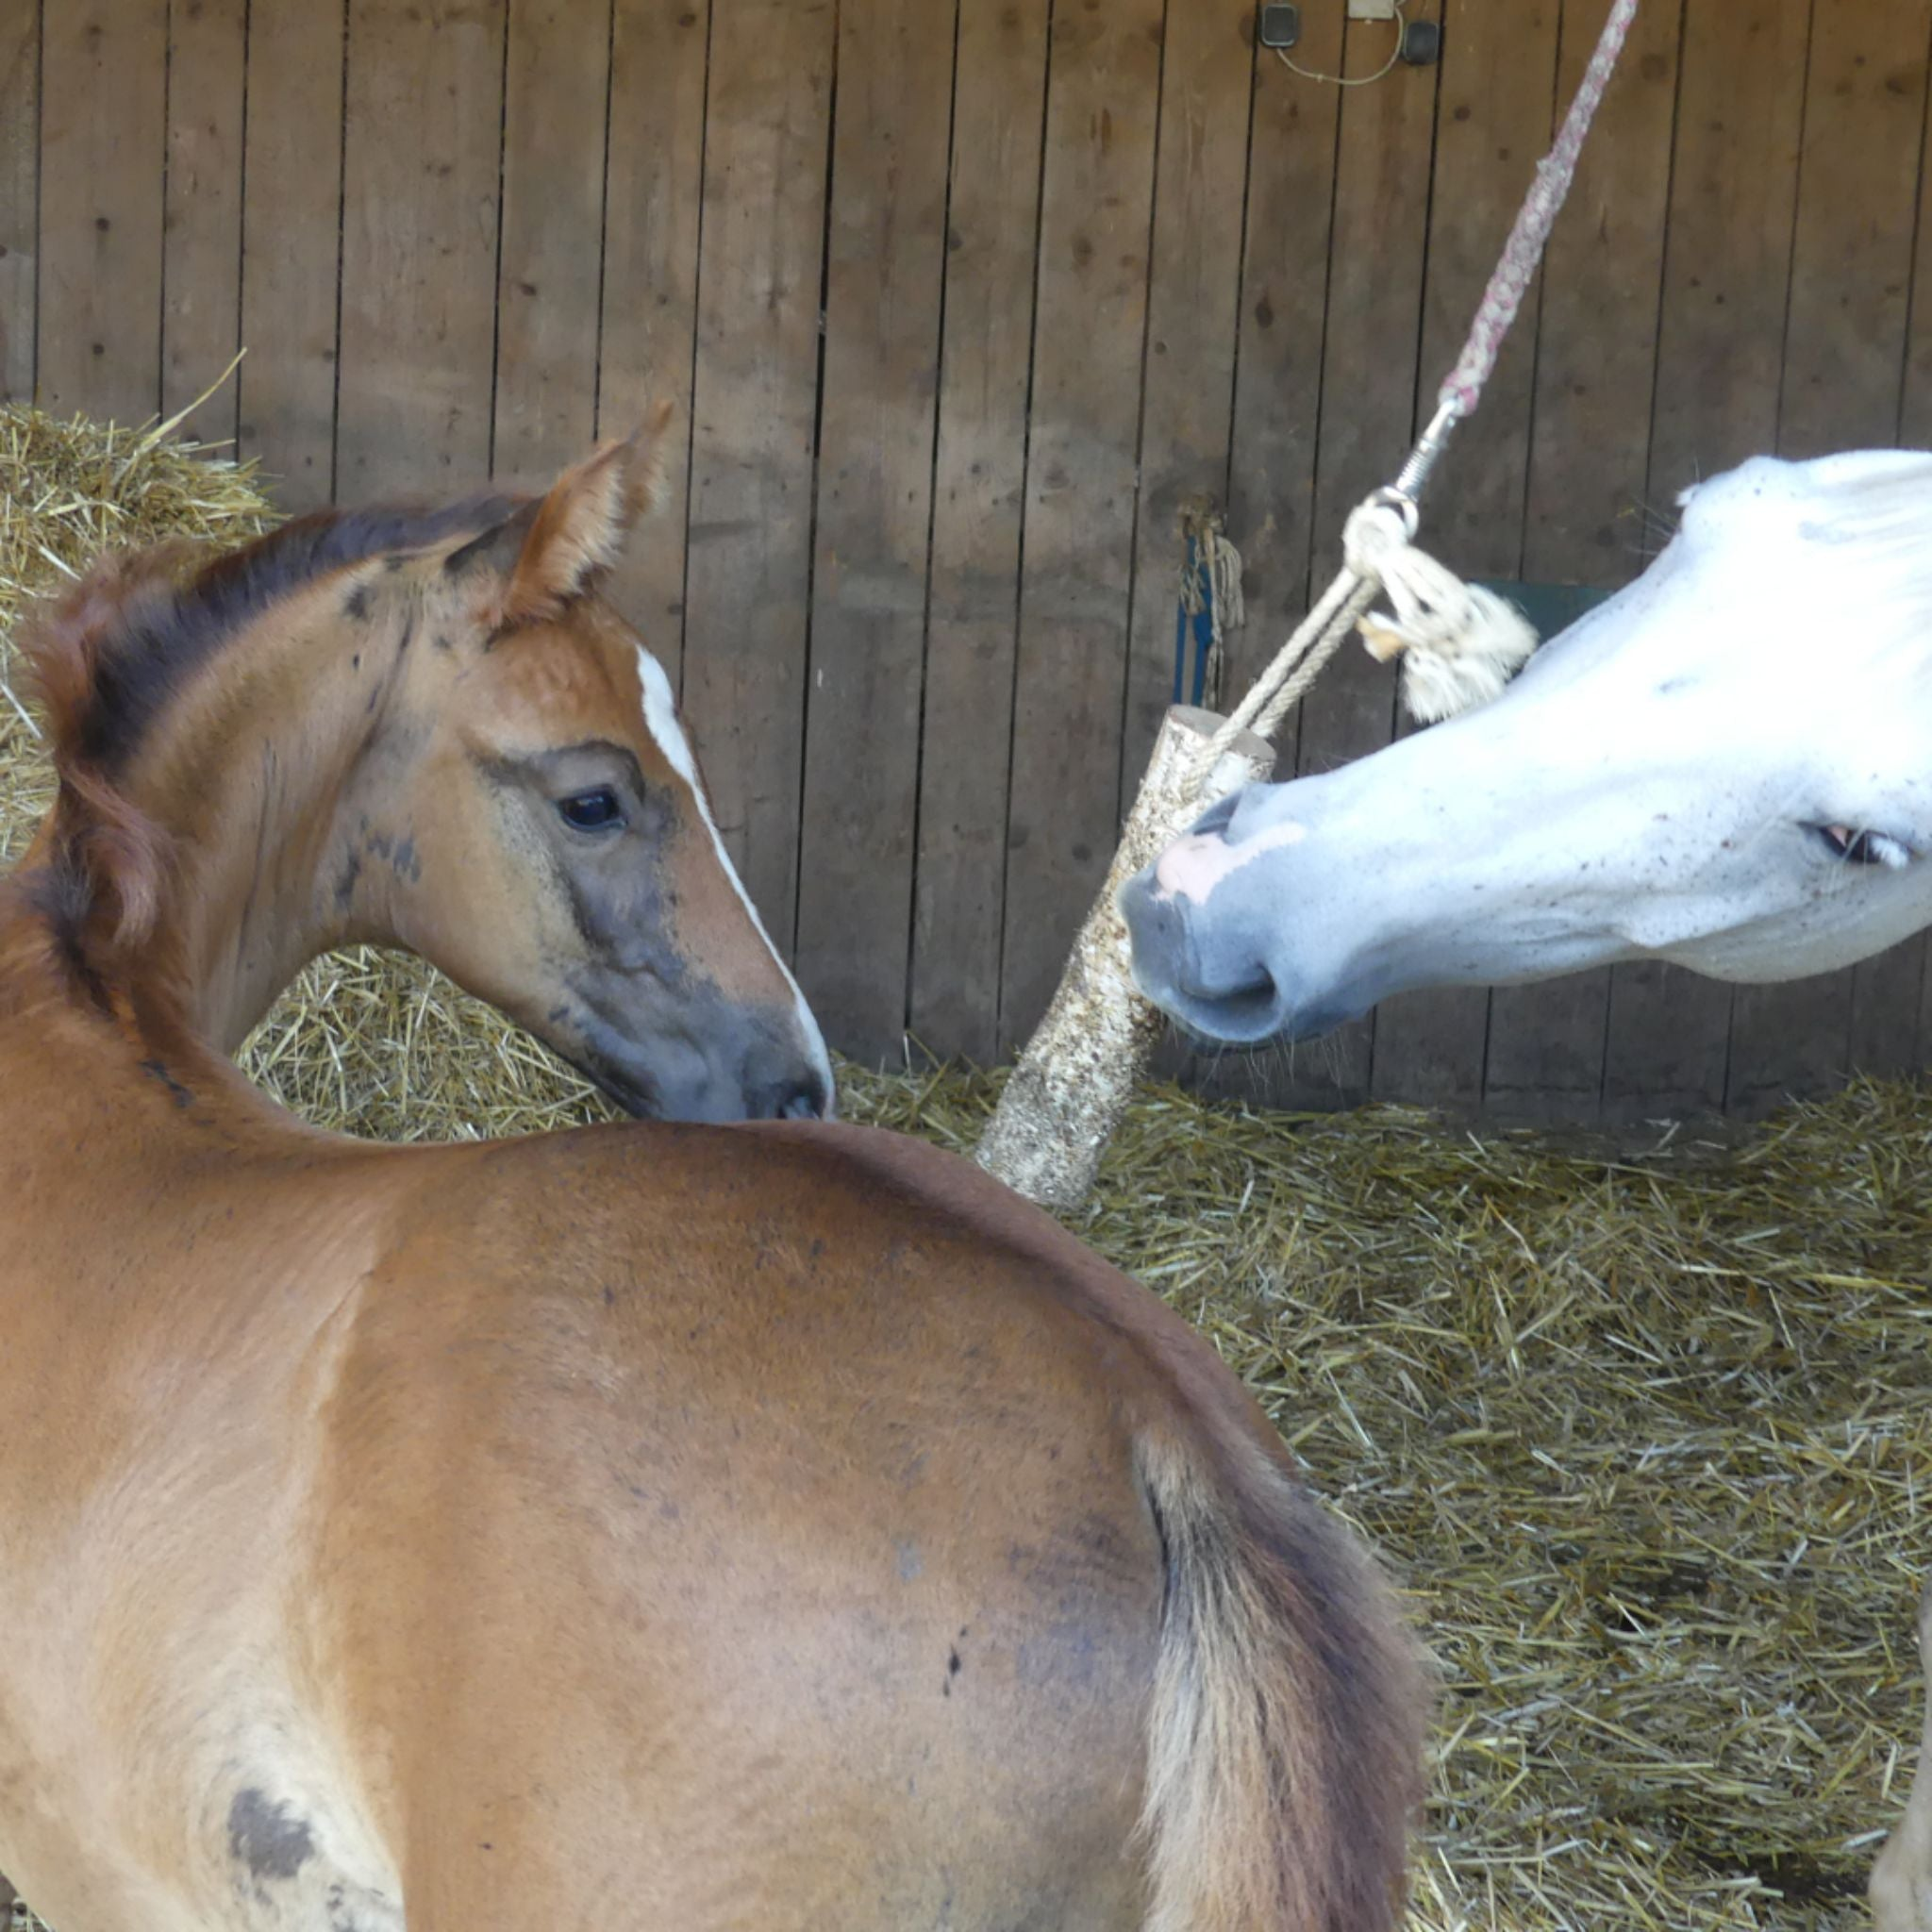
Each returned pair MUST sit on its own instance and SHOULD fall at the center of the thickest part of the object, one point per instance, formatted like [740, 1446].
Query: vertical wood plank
[885, 262]
[1284, 313]
[1596, 343]
[748, 571]
[1492, 127]
[421, 146]
[201, 267]
[1188, 401]
[1727, 261]
[979, 481]
[1914, 432]
[20, 174]
[1369, 377]
[292, 245]
[1088, 333]
[1844, 354]
[555, 77]
[653, 191]
[1291, 208]
[103, 135]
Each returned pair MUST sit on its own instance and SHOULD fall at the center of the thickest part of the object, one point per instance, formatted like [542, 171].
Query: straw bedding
[1641, 1428]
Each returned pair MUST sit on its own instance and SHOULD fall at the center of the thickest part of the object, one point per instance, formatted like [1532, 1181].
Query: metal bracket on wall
[1282, 25]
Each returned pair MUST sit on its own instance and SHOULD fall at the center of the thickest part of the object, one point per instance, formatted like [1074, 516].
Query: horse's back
[760, 1502]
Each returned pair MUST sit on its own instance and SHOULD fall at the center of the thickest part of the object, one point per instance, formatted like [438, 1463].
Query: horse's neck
[87, 1066]
[265, 788]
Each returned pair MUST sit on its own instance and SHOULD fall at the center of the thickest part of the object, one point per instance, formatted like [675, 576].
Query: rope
[1523, 250]
[1461, 643]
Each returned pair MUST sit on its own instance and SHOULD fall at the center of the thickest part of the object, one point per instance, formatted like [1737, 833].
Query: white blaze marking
[1194, 865]
[661, 720]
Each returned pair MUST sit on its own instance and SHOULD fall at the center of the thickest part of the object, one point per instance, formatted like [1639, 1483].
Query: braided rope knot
[1459, 643]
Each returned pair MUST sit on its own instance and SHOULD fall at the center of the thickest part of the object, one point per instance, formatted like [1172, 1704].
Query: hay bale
[69, 490]
[1642, 1428]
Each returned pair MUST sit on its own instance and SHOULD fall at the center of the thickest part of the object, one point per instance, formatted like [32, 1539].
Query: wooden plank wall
[963, 299]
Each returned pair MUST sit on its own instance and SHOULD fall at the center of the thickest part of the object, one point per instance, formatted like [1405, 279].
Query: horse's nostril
[1218, 816]
[804, 1101]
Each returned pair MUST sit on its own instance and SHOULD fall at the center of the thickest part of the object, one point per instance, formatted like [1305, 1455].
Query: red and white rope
[1523, 250]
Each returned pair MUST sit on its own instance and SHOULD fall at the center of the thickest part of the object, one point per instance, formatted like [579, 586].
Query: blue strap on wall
[1193, 690]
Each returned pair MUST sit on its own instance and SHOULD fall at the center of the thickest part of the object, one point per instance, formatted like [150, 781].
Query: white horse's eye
[1864, 848]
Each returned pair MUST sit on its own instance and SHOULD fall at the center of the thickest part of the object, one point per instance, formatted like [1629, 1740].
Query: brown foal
[660, 1525]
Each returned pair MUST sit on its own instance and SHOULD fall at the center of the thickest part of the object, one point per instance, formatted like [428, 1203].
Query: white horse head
[1728, 765]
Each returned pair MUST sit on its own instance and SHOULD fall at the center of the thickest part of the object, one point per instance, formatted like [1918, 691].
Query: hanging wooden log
[1074, 1081]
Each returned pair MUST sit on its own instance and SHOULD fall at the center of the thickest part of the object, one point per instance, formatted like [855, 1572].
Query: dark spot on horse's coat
[610, 1296]
[356, 604]
[443, 642]
[356, 662]
[408, 632]
[404, 862]
[954, 1666]
[176, 1092]
[345, 880]
[393, 563]
[266, 1836]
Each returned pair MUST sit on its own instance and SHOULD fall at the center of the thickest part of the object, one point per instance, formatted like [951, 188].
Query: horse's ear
[578, 530]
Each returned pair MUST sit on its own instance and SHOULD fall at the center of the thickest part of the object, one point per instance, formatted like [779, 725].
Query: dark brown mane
[110, 656]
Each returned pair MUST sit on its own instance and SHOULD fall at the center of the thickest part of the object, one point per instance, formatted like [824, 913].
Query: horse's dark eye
[1864, 848]
[591, 811]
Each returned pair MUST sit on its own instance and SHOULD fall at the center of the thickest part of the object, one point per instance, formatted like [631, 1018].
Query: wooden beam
[20, 180]
[200, 277]
[653, 193]
[422, 149]
[752, 425]
[557, 80]
[1088, 335]
[103, 141]
[291, 220]
[992, 239]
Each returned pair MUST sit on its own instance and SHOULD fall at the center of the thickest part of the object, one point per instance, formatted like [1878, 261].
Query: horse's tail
[1285, 1735]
